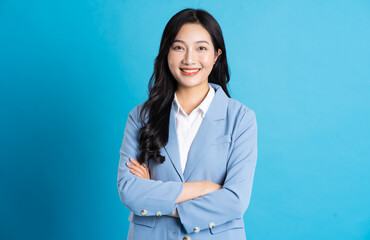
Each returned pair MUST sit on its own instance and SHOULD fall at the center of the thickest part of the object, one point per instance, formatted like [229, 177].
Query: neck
[190, 97]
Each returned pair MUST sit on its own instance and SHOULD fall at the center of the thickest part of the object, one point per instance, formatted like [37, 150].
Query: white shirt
[187, 125]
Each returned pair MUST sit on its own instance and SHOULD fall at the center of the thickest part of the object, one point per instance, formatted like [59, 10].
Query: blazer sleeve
[232, 200]
[136, 193]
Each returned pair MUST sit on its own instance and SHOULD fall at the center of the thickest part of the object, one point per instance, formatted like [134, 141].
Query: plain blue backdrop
[72, 70]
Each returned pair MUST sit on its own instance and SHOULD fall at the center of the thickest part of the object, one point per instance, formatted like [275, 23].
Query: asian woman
[189, 152]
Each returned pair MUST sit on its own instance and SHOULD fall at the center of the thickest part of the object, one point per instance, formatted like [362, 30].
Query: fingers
[139, 174]
[138, 169]
[136, 166]
[135, 162]
[147, 174]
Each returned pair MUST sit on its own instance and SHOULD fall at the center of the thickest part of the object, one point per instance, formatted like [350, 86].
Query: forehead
[193, 32]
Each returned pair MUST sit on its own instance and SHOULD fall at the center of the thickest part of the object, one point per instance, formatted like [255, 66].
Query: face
[191, 56]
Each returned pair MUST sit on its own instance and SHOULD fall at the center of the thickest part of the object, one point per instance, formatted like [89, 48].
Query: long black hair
[154, 133]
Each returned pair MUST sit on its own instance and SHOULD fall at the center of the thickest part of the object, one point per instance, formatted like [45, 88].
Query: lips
[193, 72]
[190, 68]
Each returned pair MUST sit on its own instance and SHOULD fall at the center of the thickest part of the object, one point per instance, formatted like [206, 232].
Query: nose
[189, 57]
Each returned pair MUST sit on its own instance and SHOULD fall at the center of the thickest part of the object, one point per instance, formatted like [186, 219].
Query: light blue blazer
[224, 151]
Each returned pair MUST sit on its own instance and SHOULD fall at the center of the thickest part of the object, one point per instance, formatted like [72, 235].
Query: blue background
[71, 71]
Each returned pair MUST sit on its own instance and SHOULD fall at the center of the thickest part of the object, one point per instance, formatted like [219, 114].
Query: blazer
[223, 151]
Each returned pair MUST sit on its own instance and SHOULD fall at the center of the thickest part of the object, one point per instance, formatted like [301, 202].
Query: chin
[189, 84]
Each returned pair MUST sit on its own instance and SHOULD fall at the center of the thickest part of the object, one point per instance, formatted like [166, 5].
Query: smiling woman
[192, 54]
[189, 152]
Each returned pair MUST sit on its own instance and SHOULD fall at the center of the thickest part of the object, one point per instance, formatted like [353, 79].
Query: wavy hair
[162, 85]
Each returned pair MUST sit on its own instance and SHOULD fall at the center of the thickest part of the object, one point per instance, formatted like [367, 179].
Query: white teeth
[190, 71]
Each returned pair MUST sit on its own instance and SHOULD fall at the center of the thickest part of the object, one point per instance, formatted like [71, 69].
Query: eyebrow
[176, 40]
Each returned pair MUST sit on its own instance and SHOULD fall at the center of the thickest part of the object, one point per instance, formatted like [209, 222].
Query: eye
[204, 48]
[177, 47]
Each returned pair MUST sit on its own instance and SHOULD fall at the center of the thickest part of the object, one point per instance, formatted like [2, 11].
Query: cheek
[206, 60]
[172, 58]
[172, 66]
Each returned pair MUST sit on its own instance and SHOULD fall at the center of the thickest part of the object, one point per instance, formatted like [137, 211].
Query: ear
[219, 52]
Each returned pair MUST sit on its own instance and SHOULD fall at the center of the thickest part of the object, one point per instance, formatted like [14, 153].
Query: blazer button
[186, 238]
[211, 225]
[158, 213]
[144, 212]
[196, 229]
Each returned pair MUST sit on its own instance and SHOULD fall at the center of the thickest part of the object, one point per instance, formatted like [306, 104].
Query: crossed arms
[211, 203]
[190, 190]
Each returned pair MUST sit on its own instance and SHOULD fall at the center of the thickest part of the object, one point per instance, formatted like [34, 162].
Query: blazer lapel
[205, 135]
[172, 147]
[208, 130]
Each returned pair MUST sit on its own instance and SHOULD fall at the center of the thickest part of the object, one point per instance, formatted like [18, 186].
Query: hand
[141, 171]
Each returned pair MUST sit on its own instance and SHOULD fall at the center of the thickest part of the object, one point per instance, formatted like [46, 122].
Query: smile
[190, 72]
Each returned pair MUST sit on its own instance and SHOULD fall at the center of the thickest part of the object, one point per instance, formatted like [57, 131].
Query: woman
[189, 152]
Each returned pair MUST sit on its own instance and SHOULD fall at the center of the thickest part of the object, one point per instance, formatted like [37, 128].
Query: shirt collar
[203, 106]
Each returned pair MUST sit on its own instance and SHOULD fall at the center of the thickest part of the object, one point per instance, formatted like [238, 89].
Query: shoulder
[238, 110]
[136, 110]
[135, 114]
[241, 118]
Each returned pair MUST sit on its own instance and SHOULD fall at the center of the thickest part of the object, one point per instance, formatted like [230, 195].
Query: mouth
[190, 71]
